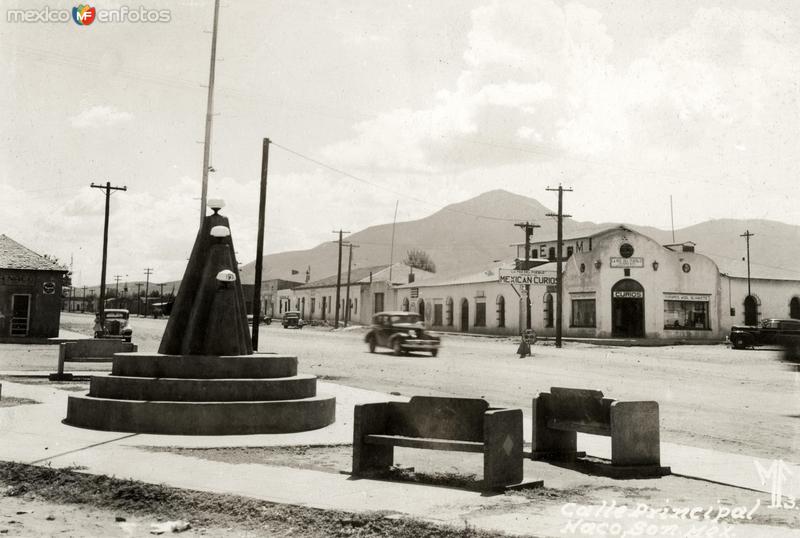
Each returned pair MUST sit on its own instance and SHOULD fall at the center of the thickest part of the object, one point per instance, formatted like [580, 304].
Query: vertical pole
[138, 299]
[747, 235]
[148, 271]
[209, 114]
[102, 305]
[528, 230]
[391, 251]
[559, 262]
[559, 278]
[338, 281]
[262, 204]
[347, 296]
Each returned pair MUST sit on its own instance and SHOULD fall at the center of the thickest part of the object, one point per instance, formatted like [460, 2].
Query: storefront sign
[582, 295]
[532, 277]
[49, 288]
[619, 261]
[628, 295]
[16, 278]
[686, 297]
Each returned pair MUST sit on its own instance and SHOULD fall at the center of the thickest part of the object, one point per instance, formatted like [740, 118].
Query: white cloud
[99, 116]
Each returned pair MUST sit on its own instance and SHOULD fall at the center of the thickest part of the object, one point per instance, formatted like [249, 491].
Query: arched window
[548, 309]
[449, 312]
[501, 311]
[750, 310]
[405, 304]
[794, 308]
[421, 309]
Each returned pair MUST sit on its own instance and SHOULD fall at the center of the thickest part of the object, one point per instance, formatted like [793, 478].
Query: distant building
[371, 291]
[30, 293]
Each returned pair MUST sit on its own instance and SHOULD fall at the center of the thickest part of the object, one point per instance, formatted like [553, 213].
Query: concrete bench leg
[635, 433]
[369, 419]
[549, 443]
[63, 349]
[502, 451]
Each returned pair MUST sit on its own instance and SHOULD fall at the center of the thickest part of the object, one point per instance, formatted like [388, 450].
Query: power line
[376, 185]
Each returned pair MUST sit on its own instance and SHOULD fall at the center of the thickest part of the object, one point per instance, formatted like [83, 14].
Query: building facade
[30, 293]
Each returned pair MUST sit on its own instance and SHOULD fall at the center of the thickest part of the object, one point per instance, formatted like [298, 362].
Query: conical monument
[205, 379]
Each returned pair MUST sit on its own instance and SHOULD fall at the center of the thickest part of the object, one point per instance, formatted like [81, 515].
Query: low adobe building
[30, 293]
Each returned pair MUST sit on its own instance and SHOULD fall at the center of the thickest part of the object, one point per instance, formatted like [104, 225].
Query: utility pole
[138, 299]
[391, 249]
[338, 277]
[83, 300]
[527, 227]
[262, 204]
[209, 115]
[559, 248]
[108, 188]
[147, 271]
[747, 235]
[347, 295]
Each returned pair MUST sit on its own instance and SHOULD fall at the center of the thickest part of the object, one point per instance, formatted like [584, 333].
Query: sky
[372, 103]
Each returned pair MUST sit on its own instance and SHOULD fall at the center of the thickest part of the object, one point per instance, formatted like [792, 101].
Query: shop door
[627, 309]
[750, 310]
[20, 314]
[464, 315]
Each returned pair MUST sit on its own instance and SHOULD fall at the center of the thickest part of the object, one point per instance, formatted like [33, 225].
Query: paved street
[742, 402]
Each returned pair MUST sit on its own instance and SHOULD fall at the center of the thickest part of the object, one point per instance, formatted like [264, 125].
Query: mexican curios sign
[530, 277]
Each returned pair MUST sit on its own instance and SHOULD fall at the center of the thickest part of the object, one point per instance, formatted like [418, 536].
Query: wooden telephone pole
[351, 246]
[527, 227]
[262, 204]
[107, 188]
[559, 248]
[338, 278]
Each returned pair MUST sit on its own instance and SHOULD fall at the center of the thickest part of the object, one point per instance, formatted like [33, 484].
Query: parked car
[402, 332]
[117, 323]
[771, 332]
[293, 319]
[264, 319]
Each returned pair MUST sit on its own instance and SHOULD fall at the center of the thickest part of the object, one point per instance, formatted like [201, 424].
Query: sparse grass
[204, 509]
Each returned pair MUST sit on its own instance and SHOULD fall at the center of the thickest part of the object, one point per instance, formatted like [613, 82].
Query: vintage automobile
[293, 319]
[118, 324]
[771, 332]
[402, 332]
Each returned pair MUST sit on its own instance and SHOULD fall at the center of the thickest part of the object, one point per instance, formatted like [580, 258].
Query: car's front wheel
[739, 342]
[397, 347]
[372, 345]
[434, 352]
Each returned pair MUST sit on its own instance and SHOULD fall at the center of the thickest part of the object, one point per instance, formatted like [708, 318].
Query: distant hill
[465, 236]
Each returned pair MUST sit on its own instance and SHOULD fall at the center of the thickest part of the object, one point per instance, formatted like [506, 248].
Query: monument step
[256, 366]
[203, 390]
[201, 418]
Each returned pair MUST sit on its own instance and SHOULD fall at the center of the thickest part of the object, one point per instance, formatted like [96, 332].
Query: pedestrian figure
[99, 330]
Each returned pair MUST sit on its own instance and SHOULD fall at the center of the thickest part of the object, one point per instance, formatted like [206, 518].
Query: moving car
[118, 323]
[293, 319]
[771, 332]
[402, 332]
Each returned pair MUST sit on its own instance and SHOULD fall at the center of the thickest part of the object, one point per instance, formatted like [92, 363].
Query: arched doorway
[750, 310]
[405, 304]
[464, 315]
[794, 308]
[548, 310]
[501, 311]
[627, 309]
[421, 309]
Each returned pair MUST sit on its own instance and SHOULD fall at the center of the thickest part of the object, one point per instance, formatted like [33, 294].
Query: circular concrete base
[256, 366]
[202, 390]
[201, 418]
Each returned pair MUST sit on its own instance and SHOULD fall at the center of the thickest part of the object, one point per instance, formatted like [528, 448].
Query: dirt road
[710, 396]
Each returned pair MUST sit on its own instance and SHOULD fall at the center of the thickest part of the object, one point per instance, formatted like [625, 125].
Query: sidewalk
[34, 434]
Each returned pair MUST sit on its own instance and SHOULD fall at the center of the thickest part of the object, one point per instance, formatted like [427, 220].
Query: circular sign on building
[626, 250]
[49, 288]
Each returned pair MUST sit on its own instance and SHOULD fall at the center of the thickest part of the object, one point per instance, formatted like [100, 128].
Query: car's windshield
[769, 324]
[116, 315]
[408, 318]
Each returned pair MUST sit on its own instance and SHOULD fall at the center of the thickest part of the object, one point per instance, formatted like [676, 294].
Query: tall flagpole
[209, 113]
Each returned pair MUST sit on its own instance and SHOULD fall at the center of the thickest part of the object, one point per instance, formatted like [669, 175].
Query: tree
[67, 276]
[419, 259]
